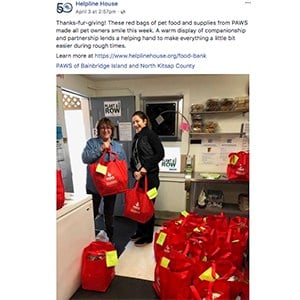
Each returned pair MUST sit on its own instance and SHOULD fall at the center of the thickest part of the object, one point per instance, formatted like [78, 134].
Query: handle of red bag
[136, 185]
[198, 239]
[210, 290]
[195, 293]
[111, 154]
[226, 275]
[146, 183]
[186, 249]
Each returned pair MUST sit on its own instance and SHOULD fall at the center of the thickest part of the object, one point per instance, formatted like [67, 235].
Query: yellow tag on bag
[164, 262]
[161, 238]
[207, 275]
[111, 258]
[185, 213]
[152, 193]
[234, 159]
[101, 169]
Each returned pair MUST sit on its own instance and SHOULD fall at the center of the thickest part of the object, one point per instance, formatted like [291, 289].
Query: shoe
[142, 242]
[135, 237]
[102, 236]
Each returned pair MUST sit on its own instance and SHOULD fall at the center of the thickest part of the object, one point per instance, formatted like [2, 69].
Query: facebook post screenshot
[166, 123]
[167, 86]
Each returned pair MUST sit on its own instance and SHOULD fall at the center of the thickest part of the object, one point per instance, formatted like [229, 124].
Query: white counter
[72, 202]
[75, 229]
[171, 192]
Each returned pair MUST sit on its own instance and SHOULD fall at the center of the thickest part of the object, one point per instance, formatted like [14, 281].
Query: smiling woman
[146, 153]
[96, 155]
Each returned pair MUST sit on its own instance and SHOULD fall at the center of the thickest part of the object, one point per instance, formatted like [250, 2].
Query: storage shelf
[198, 178]
[220, 112]
[194, 135]
[196, 182]
[198, 135]
[229, 209]
[231, 189]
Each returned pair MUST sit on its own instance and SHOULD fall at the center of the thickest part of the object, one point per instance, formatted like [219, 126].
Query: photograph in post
[151, 102]
[202, 123]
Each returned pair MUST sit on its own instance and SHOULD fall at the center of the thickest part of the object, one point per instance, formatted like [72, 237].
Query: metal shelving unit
[230, 208]
[194, 135]
[207, 112]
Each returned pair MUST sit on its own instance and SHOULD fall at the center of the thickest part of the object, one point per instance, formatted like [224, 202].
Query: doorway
[77, 132]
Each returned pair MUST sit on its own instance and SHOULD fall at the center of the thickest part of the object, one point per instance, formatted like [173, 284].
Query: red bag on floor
[239, 227]
[211, 280]
[239, 287]
[60, 190]
[238, 166]
[210, 290]
[223, 282]
[174, 275]
[95, 274]
[167, 240]
[110, 177]
[138, 206]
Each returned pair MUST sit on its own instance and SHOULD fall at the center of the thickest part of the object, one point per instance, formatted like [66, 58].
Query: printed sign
[171, 161]
[125, 131]
[112, 109]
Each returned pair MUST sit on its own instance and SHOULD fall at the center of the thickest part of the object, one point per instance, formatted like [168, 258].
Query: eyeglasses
[103, 128]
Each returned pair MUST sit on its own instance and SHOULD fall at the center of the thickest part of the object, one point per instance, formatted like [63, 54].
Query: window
[164, 114]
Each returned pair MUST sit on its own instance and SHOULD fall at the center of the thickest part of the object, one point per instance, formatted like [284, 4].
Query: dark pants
[109, 206]
[146, 230]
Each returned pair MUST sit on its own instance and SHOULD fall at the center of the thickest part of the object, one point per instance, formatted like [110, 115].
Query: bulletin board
[214, 151]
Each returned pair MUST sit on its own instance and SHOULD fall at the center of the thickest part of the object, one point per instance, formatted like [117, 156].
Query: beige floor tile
[137, 262]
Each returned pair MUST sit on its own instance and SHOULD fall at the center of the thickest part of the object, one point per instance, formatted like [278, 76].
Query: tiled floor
[137, 262]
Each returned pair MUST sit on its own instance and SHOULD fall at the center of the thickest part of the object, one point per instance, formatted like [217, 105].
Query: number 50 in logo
[64, 7]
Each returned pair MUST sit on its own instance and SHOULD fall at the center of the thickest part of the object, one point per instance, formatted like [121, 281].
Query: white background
[28, 143]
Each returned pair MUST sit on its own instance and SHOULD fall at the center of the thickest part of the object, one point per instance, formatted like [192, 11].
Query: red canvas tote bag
[110, 177]
[95, 274]
[166, 240]
[238, 166]
[174, 275]
[210, 290]
[138, 206]
[60, 190]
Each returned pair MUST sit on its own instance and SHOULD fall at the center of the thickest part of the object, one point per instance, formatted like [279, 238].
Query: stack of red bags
[202, 257]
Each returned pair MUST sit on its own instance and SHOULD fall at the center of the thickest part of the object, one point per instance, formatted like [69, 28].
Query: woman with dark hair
[147, 152]
[91, 153]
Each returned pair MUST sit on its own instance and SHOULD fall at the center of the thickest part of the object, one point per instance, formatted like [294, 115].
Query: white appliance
[75, 229]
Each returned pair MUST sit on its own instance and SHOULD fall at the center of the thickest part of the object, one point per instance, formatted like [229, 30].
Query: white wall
[195, 88]
[75, 83]
[76, 143]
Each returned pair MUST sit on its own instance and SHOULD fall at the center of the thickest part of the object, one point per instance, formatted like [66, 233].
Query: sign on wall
[125, 131]
[171, 161]
[112, 108]
[215, 151]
